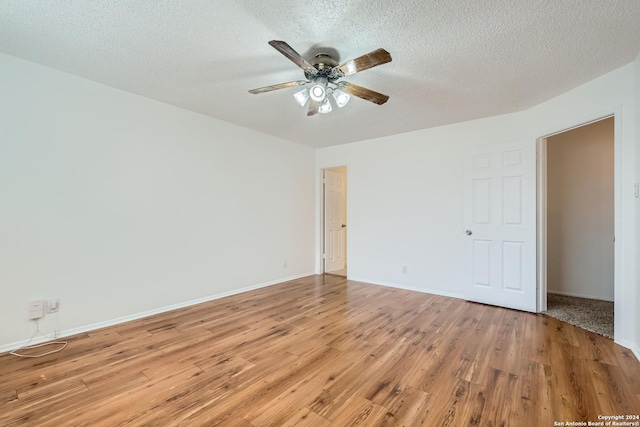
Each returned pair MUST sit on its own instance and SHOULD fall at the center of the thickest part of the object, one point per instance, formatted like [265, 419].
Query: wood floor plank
[261, 393]
[299, 395]
[508, 352]
[322, 351]
[476, 357]
[409, 408]
[360, 412]
[535, 346]
[500, 387]
[450, 403]
[573, 383]
[537, 394]
[335, 396]
[74, 408]
[304, 418]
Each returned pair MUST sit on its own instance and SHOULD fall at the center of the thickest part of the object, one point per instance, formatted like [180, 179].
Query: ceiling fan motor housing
[325, 66]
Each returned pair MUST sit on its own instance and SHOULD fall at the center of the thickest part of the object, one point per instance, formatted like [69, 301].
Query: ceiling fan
[322, 74]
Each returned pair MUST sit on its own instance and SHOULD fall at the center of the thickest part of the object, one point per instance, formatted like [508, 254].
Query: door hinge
[324, 256]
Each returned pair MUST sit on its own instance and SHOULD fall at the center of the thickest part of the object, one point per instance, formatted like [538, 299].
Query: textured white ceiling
[453, 60]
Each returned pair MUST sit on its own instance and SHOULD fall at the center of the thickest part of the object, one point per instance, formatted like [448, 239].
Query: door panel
[512, 266]
[500, 217]
[481, 263]
[512, 197]
[482, 201]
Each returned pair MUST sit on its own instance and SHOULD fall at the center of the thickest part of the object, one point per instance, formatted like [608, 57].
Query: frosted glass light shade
[341, 98]
[302, 97]
[325, 107]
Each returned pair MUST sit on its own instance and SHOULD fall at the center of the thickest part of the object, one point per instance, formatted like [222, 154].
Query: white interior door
[334, 220]
[500, 216]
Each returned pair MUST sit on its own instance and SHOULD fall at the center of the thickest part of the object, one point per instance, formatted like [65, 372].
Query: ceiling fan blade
[274, 87]
[364, 62]
[290, 53]
[364, 93]
[314, 107]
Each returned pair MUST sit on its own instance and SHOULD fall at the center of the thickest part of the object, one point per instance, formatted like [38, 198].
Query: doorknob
[468, 232]
[344, 225]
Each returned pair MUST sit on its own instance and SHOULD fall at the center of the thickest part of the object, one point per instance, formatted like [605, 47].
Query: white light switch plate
[53, 305]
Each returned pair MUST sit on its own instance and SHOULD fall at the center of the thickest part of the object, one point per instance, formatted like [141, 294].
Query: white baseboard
[112, 322]
[569, 294]
[408, 288]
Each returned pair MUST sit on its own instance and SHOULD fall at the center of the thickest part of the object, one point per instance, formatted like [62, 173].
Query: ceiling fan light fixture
[341, 98]
[302, 97]
[325, 107]
[321, 79]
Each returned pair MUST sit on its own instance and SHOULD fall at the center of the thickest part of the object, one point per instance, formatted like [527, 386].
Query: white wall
[120, 205]
[580, 211]
[406, 191]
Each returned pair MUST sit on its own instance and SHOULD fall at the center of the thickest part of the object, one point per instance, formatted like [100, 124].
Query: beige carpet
[590, 314]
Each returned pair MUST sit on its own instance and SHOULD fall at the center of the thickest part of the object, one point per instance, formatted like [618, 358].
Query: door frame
[322, 242]
[541, 179]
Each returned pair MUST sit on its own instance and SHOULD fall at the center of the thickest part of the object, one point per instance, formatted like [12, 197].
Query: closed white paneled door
[335, 221]
[500, 226]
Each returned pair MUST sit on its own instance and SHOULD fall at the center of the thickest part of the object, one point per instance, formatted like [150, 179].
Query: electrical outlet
[53, 305]
[36, 310]
[284, 264]
[405, 269]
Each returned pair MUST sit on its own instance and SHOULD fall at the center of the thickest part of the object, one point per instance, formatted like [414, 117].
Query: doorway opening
[577, 225]
[334, 222]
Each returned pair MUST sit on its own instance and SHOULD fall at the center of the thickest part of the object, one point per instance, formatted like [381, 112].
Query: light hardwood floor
[321, 351]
